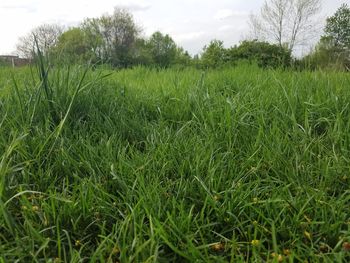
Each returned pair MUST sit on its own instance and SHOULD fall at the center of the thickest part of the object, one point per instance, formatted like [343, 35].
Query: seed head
[307, 235]
[277, 256]
[77, 243]
[218, 247]
[255, 242]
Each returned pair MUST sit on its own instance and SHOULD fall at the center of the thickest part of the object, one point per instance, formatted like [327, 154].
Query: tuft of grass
[141, 165]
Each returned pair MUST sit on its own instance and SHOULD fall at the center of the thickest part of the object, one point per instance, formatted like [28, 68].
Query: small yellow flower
[255, 200]
[35, 208]
[77, 243]
[255, 242]
[277, 256]
[217, 198]
[287, 252]
[115, 250]
[24, 207]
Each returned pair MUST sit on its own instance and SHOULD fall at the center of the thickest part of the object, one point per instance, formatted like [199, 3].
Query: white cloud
[19, 7]
[188, 36]
[228, 13]
[226, 28]
[135, 7]
[223, 14]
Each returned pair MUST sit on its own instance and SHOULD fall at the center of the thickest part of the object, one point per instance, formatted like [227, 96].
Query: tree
[142, 53]
[113, 37]
[338, 27]
[183, 58]
[73, 47]
[93, 37]
[163, 49]
[286, 22]
[214, 54]
[46, 35]
[333, 49]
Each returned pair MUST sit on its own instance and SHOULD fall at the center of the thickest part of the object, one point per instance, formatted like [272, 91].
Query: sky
[191, 23]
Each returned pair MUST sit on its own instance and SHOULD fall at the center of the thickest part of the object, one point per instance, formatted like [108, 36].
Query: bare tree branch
[47, 36]
[287, 22]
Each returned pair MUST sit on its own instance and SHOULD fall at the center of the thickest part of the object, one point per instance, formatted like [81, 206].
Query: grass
[236, 165]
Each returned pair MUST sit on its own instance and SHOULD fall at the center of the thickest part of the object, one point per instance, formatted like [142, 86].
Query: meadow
[177, 165]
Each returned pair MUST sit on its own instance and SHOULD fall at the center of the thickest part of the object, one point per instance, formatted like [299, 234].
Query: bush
[214, 55]
[264, 54]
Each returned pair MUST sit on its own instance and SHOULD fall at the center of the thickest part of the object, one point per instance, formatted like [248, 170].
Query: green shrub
[264, 54]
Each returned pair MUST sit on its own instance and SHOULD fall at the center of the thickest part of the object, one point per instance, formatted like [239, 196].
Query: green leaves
[338, 27]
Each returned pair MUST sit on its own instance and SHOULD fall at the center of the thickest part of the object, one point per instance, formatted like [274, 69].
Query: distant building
[14, 61]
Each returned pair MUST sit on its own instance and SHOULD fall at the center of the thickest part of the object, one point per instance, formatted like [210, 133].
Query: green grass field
[140, 165]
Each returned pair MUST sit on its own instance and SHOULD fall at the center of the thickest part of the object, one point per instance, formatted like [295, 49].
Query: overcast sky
[191, 23]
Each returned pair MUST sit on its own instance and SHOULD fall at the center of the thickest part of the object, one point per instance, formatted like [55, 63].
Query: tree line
[116, 40]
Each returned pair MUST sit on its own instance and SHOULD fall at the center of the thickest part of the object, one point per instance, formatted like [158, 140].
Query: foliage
[333, 49]
[160, 51]
[73, 47]
[338, 28]
[262, 53]
[183, 58]
[163, 49]
[214, 55]
[265, 54]
[142, 53]
[325, 56]
[112, 37]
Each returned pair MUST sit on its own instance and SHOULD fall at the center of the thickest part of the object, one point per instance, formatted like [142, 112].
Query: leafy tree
[163, 49]
[73, 47]
[112, 37]
[93, 36]
[46, 35]
[213, 55]
[333, 50]
[338, 28]
[142, 53]
[182, 58]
